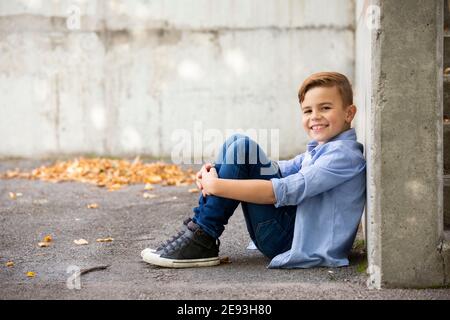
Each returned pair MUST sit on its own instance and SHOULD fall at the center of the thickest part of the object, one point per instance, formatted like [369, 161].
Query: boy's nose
[316, 115]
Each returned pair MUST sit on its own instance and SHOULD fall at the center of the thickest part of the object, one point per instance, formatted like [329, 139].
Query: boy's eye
[307, 111]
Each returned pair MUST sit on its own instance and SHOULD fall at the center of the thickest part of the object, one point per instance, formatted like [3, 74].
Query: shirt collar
[349, 134]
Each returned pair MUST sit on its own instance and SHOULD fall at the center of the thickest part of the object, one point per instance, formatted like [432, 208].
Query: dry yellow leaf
[148, 186]
[80, 242]
[105, 240]
[12, 195]
[112, 174]
[92, 206]
[31, 274]
[148, 195]
[11, 174]
[154, 179]
[114, 187]
[9, 264]
[193, 190]
[43, 244]
[48, 238]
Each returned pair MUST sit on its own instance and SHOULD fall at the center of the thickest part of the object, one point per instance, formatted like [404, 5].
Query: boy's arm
[254, 191]
[332, 168]
[288, 167]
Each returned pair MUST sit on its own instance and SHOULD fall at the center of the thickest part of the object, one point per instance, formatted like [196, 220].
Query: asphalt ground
[135, 222]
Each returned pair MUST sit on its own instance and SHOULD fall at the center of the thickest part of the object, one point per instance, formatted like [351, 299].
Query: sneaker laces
[175, 237]
[176, 244]
[180, 242]
[182, 239]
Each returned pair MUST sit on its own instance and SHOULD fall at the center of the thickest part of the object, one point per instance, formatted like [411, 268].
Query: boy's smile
[324, 115]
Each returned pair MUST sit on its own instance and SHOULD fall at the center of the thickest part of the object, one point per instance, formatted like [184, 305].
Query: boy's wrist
[214, 186]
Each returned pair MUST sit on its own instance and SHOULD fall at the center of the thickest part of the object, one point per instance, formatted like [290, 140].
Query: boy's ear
[351, 111]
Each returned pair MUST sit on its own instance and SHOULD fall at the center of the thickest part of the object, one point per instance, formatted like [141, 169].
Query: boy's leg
[270, 228]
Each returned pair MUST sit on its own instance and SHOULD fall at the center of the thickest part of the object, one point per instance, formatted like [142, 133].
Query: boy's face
[324, 115]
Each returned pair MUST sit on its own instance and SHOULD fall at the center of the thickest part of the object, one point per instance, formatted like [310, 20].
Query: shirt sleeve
[332, 168]
[288, 167]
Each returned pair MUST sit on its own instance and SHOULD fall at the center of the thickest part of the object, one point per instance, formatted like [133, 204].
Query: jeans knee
[238, 148]
[236, 137]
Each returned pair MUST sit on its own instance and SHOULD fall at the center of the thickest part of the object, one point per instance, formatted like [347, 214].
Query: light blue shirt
[328, 185]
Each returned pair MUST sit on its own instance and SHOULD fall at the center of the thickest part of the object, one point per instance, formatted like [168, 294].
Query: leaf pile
[112, 174]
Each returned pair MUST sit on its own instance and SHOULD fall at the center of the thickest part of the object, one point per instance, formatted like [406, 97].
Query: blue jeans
[270, 228]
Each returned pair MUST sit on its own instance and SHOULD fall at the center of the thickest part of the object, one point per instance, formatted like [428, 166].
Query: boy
[300, 213]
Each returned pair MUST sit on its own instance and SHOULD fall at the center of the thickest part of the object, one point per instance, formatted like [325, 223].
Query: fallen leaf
[154, 179]
[31, 274]
[447, 71]
[11, 174]
[225, 260]
[148, 186]
[112, 174]
[114, 187]
[48, 238]
[92, 206]
[80, 242]
[40, 201]
[105, 240]
[12, 195]
[44, 244]
[9, 264]
[148, 195]
[193, 190]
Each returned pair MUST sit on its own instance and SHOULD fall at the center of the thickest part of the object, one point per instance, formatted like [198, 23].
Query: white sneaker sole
[147, 250]
[149, 256]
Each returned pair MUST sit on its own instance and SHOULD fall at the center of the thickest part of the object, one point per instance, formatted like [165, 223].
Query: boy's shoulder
[348, 148]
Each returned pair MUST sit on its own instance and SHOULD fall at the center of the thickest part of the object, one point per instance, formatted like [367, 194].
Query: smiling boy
[300, 213]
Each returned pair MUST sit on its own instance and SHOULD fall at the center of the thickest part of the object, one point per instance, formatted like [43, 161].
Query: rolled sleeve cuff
[279, 190]
[282, 166]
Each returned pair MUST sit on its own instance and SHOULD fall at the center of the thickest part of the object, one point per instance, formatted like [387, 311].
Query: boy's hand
[198, 175]
[207, 180]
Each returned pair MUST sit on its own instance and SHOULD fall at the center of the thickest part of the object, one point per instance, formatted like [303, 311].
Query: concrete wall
[134, 72]
[366, 24]
[407, 245]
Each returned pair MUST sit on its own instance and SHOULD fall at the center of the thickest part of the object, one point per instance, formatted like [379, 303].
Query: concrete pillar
[406, 237]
